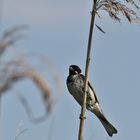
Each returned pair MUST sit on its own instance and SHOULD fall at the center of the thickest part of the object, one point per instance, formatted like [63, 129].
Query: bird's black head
[74, 69]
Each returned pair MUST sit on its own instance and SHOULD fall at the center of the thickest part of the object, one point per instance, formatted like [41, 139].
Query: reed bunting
[75, 85]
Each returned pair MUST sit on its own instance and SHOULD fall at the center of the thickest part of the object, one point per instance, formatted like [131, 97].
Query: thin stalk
[83, 108]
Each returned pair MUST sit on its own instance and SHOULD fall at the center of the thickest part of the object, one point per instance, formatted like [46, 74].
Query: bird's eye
[70, 68]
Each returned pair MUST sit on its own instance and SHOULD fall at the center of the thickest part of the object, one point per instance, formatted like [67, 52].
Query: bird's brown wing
[91, 88]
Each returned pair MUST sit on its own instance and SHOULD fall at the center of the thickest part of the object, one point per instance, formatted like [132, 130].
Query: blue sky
[59, 30]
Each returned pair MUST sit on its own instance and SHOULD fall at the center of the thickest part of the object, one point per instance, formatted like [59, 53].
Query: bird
[75, 85]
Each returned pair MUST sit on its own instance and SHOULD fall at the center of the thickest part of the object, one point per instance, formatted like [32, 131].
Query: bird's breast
[76, 89]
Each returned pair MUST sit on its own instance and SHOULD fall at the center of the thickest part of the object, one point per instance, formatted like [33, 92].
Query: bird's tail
[107, 125]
